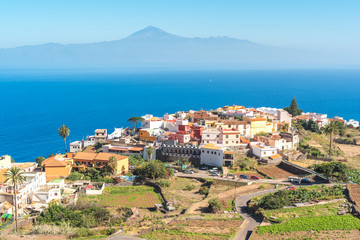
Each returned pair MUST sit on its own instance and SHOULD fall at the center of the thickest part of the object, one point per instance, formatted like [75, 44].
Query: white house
[211, 136]
[216, 155]
[76, 146]
[116, 134]
[153, 122]
[230, 138]
[46, 195]
[5, 161]
[321, 119]
[352, 122]
[212, 154]
[262, 151]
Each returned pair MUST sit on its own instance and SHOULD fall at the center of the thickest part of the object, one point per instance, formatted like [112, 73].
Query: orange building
[146, 136]
[57, 167]
[83, 160]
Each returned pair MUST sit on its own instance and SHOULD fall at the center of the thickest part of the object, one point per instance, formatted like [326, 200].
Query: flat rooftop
[58, 180]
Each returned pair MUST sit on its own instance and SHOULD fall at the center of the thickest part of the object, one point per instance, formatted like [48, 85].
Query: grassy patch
[137, 196]
[286, 214]
[322, 223]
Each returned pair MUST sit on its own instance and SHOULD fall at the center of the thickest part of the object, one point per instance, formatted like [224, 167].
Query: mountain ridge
[154, 47]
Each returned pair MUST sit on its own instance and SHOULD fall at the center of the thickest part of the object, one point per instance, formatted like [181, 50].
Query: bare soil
[275, 172]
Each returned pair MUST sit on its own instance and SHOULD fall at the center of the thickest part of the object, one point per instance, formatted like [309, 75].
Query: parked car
[215, 174]
[294, 179]
[305, 180]
[290, 188]
[204, 168]
[215, 168]
[188, 172]
[243, 176]
[255, 177]
[131, 167]
[231, 175]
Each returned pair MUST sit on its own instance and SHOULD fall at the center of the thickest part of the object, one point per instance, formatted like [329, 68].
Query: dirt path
[199, 207]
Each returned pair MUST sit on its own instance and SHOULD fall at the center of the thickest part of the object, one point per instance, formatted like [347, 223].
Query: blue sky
[313, 24]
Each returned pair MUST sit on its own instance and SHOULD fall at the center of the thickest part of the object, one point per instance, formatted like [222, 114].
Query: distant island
[152, 47]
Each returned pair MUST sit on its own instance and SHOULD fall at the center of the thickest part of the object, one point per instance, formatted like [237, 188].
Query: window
[226, 136]
[237, 136]
[208, 135]
[226, 142]
[207, 151]
[229, 126]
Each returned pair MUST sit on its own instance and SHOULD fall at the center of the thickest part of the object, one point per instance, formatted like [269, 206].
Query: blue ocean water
[33, 104]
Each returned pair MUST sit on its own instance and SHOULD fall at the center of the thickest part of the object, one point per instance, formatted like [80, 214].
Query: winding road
[241, 206]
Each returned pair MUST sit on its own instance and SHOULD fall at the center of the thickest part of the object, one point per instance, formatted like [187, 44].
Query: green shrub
[74, 176]
[189, 187]
[163, 183]
[204, 190]
[215, 205]
[84, 232]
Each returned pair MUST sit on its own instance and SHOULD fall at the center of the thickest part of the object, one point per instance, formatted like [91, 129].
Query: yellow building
[83, 160]
[259, 125]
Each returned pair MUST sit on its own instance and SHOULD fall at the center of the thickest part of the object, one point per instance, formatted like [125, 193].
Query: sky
[331, 25]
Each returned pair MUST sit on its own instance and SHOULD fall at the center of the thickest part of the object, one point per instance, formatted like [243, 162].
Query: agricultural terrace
[204, 226]
[284, 198]
[275, 172]
[322, 223]
[133, 196]
[286, 214]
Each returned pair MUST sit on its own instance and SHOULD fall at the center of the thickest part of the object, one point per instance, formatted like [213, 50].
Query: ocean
[35, 103]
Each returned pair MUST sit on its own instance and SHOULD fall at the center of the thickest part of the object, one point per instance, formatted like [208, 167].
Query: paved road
[241, 207]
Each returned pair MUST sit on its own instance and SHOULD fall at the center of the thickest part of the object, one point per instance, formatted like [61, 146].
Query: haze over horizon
[297, 34]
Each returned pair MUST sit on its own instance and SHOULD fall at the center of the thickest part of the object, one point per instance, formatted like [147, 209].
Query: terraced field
[275, 172]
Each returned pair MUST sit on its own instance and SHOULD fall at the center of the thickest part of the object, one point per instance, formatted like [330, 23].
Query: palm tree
[14, 176]
[150, 151]
[331, 129]
[64, 132]
[113, 163]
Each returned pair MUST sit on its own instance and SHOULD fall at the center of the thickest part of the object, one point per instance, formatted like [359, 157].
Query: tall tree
[14, 176]
[293, 109]
[134, 121]
[39, 161]
[331, 129]
[64, 132]
[150, 151]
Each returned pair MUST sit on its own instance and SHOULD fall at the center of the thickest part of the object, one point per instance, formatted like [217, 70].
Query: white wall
[211, 157]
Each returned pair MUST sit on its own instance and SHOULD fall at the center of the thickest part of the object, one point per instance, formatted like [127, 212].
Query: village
[177, 170]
